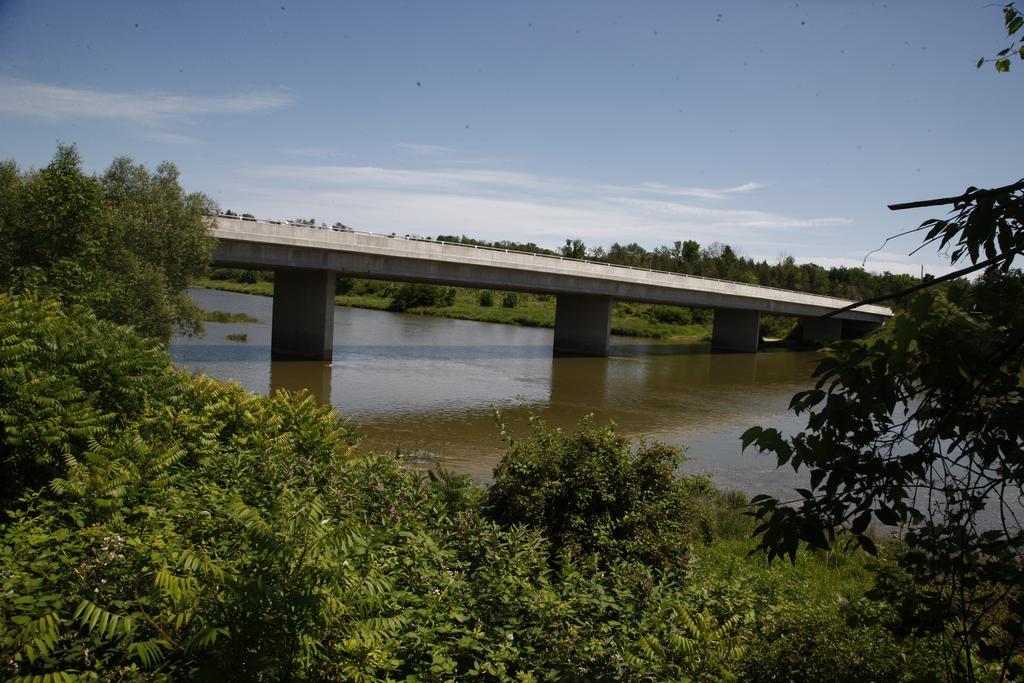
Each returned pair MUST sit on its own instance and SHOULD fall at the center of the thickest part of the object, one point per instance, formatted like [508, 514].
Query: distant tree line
[721, 261]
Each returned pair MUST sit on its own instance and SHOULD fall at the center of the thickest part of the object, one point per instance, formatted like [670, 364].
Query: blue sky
[776, 127]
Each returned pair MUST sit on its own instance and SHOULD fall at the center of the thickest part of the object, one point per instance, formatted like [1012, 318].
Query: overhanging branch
[970, 195]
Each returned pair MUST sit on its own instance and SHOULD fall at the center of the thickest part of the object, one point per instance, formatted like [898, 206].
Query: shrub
[672, 315]
[590, 493]
[412, 295]
[510, 300]
[373, 288]
[343, 285]
[702, 316]
[805, 643]
[486, 298]
[65, 378]
[777, 326]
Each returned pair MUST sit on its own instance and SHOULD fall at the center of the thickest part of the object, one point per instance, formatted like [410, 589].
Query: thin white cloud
[54, 102]
[728, 217]
[423, 150]
[442, 180]
[167, 138]
[312, 152]
[499, 204]
[698, 192]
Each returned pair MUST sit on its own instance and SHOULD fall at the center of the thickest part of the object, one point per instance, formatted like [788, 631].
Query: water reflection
[315, 376]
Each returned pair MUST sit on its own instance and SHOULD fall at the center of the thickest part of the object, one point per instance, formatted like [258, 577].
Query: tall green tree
[125, 244]
[921, 428]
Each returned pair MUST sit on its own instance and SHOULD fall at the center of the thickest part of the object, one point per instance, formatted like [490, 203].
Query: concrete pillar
[583, 324]
[736, 330]
[822, 330]
[303, 323]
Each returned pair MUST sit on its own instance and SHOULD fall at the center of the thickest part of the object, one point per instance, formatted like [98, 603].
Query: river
[428, 387]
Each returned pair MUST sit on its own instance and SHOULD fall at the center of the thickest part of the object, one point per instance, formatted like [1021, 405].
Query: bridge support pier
[736, 330]
[822, 330]
[583, 325]
[303, 323]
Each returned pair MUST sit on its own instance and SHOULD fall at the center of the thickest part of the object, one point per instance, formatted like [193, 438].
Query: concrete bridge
[306, 262]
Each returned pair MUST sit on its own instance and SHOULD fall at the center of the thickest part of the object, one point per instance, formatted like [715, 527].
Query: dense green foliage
[591, 495]
[65, 383]
[412, 295]
[125, 244]
[172, 527]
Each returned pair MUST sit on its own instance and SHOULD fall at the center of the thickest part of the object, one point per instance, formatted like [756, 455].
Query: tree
[125, 244]
[691, 252]
[921, 428]
[1013, 20]
[574, 249]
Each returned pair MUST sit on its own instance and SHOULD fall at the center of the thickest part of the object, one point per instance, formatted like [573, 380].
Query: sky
[779, 128]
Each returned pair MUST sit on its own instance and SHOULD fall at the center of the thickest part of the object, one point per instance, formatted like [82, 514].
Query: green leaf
[887, 516]
[867, 544]
[750, 436]
[860, 523]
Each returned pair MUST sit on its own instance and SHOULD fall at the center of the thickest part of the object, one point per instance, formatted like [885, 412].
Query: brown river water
[428, 387]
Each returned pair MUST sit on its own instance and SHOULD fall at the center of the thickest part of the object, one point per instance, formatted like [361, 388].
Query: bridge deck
[260, 244]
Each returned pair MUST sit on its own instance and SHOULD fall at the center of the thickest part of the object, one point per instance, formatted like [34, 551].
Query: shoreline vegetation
[690, 326]
[201, 531]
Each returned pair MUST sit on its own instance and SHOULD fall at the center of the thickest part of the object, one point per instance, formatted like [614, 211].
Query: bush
[590, 494]
[672, 315]
[510, 300]
[804, 643]
[343, 285]
[412, 295]
[373, 288]
[486, 298]
[65, 378]
[777, 326]
[702, 316]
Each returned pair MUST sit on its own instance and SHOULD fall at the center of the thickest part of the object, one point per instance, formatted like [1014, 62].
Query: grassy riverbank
[530, 310]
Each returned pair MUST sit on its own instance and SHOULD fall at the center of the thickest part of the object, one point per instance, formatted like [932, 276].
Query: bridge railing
[414, 238]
